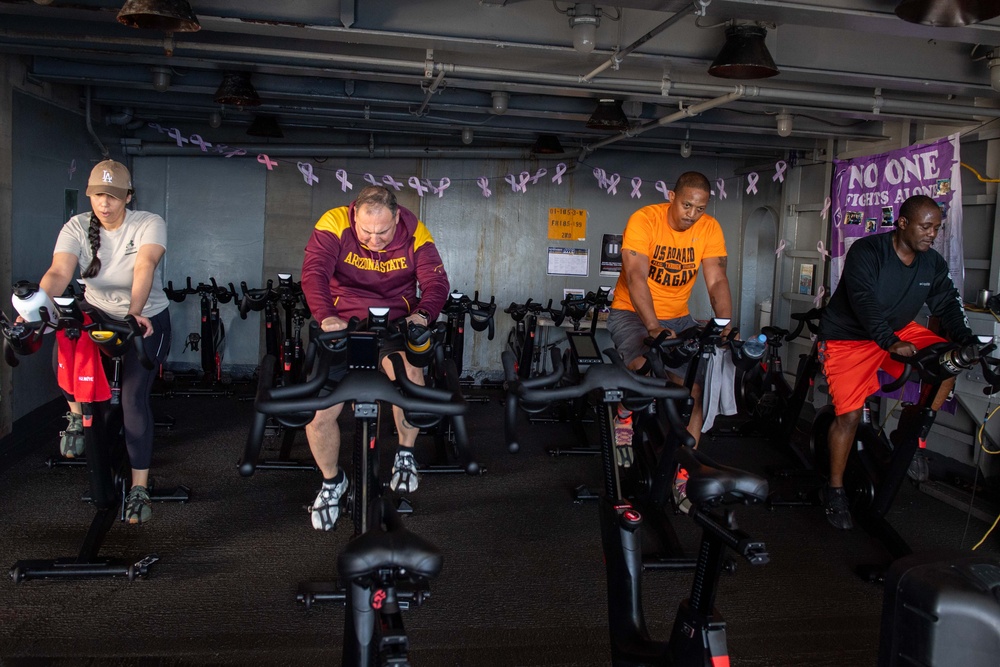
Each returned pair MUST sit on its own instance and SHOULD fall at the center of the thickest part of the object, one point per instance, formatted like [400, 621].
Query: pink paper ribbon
[560, 171]
[721, 184]
[752, 179]
[538, 174]
[307, 173]
[613, 182]
[392, 183]
[175, 134]
[602, 178]
[822, 250]
[345, 184]
[636, 184]
[662, 187]
[779, 171]
[780, 249]
[484, 185]
[159, 128]
[442, 185]
[196, 140]
[818, 299]
[826, 208]
[266, 161]
[72, 169]
[371, 179]
[415, 183]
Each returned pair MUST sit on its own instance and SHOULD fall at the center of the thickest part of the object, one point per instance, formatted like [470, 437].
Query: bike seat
[395, 548]
[710, 483]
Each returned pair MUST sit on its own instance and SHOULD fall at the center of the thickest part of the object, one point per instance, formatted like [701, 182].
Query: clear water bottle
[754, 347]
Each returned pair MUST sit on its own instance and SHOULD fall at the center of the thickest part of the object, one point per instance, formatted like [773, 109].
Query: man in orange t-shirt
[663, 248]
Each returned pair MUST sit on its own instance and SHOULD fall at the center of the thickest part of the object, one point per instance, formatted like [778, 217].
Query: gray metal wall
[46, 142]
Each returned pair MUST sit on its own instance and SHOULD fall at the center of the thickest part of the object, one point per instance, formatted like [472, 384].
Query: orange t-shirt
[674, 258]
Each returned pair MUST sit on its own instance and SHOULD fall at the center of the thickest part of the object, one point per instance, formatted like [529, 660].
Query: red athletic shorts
[851, 365]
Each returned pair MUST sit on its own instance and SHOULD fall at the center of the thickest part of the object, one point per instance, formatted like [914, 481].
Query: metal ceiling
[393, 75]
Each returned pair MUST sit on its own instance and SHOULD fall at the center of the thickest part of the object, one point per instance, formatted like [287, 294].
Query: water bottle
[28, 298]
[754, 347]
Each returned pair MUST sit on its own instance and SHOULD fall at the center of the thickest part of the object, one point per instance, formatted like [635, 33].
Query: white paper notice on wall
[568, 261]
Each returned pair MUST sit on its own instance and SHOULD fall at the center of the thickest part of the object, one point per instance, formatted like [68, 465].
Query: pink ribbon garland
[538, 174]
[780, 249]
[752, 179]
[721, 184]
[826, 208]
[822, 250]
[443, 185]
[72, 169]
[602, 178]
[371, 179]
[266, 161]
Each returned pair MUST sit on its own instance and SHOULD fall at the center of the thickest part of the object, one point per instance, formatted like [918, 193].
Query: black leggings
[137, 383]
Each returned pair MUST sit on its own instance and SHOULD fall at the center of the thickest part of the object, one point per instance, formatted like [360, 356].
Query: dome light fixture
[686, 146]
[947, 13]
[584, 18]
[161, 78]
[784, 121]
[500, 100]
[466, 135]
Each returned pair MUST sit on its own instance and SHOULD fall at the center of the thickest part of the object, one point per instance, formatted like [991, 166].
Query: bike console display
[583, 348]
[362, 350]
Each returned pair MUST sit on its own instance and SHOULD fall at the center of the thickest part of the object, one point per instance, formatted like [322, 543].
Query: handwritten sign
[568, 224]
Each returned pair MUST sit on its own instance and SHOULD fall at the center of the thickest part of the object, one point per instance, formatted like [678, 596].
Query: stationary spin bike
[107, 461]
[877, 465]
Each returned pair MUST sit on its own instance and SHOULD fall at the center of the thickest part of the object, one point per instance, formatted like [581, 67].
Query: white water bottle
[28, 298]
[754, 347]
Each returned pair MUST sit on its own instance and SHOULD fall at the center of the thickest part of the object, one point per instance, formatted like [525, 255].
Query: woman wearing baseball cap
[119, 252]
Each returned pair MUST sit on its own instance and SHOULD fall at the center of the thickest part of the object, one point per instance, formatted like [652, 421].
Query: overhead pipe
[612, 87]
[431, 89]
[312, 150]
[684, 113]
[617, 57]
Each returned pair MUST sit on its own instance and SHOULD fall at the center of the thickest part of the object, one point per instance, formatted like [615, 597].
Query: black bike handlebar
[255, 300]
[940, 361]
[809, 318]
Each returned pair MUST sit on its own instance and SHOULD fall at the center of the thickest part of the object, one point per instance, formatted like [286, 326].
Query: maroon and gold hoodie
[343, 277]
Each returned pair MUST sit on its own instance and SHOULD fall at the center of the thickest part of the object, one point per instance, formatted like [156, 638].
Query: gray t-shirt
[111, 289]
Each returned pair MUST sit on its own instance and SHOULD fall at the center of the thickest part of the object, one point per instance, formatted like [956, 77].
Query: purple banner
[867, 192]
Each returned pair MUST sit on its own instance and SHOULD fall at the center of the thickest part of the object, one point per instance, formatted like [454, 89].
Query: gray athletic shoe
[325, 509]
[405, 477]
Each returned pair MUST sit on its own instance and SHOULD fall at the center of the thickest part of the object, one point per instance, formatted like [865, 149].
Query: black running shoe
[919, 469]
[838, 510]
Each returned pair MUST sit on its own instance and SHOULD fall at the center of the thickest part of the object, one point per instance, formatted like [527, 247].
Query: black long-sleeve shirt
[878, 294]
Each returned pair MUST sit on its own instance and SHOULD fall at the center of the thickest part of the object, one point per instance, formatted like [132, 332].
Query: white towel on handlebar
[718, 394]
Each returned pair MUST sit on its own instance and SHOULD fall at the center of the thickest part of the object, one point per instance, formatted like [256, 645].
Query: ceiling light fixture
[236, 90]
[215, 119]
[686, 146]
[547, 144]
[161, 78]
[994, 63]
[784, 120]
[166, 15]
[947, 13]
[466, 135]
[500, 100]
[608, 116]
[744, 55]
[584, 20]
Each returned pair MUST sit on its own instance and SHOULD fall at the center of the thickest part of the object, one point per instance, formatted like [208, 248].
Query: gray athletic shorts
[627, 331]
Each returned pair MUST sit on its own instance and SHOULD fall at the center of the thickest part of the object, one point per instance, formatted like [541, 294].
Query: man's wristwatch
[423, 313]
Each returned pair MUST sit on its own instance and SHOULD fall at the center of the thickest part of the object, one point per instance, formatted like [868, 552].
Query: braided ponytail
[94, 236]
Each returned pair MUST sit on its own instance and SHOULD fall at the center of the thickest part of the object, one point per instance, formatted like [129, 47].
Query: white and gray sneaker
[325, 509]
[405, 478]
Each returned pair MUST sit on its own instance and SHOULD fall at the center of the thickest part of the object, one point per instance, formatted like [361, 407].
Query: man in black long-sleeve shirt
[887, 279]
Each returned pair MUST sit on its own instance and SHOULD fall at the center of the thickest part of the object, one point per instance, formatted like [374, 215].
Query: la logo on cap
[108, 178]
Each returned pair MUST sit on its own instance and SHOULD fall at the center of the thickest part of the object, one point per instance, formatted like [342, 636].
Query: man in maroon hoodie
[371, 253]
